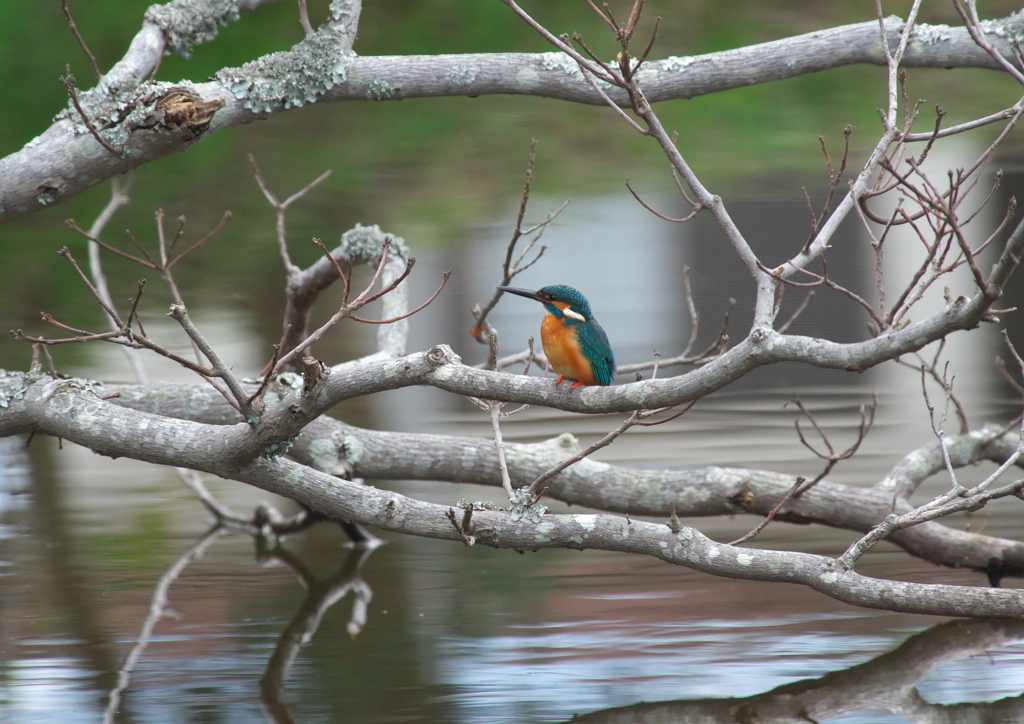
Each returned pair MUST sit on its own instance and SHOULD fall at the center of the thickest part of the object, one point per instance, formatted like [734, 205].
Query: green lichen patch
[365, 243]
[189, 23]
[476, 505]
[1008, 28]
[932, 34]
[380, 90]
[462, 74]
[524, 507]
[13, 386]
[277, 449]
[291, 78]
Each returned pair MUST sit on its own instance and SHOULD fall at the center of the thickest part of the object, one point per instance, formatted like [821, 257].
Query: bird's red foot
[563, 377]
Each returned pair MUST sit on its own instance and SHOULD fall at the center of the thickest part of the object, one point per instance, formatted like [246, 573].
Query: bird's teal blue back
[596, 348]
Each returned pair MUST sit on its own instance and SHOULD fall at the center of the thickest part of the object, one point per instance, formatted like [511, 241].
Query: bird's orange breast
[563, 351]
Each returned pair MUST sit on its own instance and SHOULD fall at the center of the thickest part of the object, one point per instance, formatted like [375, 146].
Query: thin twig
[148, 263]
[304, 18]
[180, 314]
[514, 265]
[336, 264]
[692, 307]
[223, 220]
[467, 540]
[692, 215]
[969, 13]
[832, 458]
[634, 419]
[499, 445]
[603, 442]
[799, 310]
[69, 83]
[281, 206]
[163, 53]
[960, 128]
[392, 320]
[49, 361]
[80, 39]
[258, 394]
[774, 511]
[66, 253]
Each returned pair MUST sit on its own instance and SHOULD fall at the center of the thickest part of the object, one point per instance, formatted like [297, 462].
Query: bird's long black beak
[523, 293]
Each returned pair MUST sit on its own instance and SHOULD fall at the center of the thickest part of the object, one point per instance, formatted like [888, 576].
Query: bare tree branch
[242, 95]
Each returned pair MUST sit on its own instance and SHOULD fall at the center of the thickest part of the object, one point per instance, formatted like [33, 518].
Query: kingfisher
[574, 342]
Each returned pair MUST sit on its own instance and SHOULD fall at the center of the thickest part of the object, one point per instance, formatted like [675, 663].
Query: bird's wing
[604, 358]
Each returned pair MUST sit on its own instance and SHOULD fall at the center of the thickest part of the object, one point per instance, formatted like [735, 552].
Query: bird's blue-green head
[558, 299]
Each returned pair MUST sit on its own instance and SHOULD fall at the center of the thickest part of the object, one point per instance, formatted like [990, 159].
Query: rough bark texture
[146, 121]
[75, 411]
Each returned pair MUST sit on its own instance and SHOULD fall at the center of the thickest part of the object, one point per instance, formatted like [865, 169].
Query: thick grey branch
[66, 160]
[67, 410]
[333, 447]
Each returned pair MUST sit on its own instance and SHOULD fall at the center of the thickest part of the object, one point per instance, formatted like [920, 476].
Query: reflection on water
[328, 634]
[573, 669]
